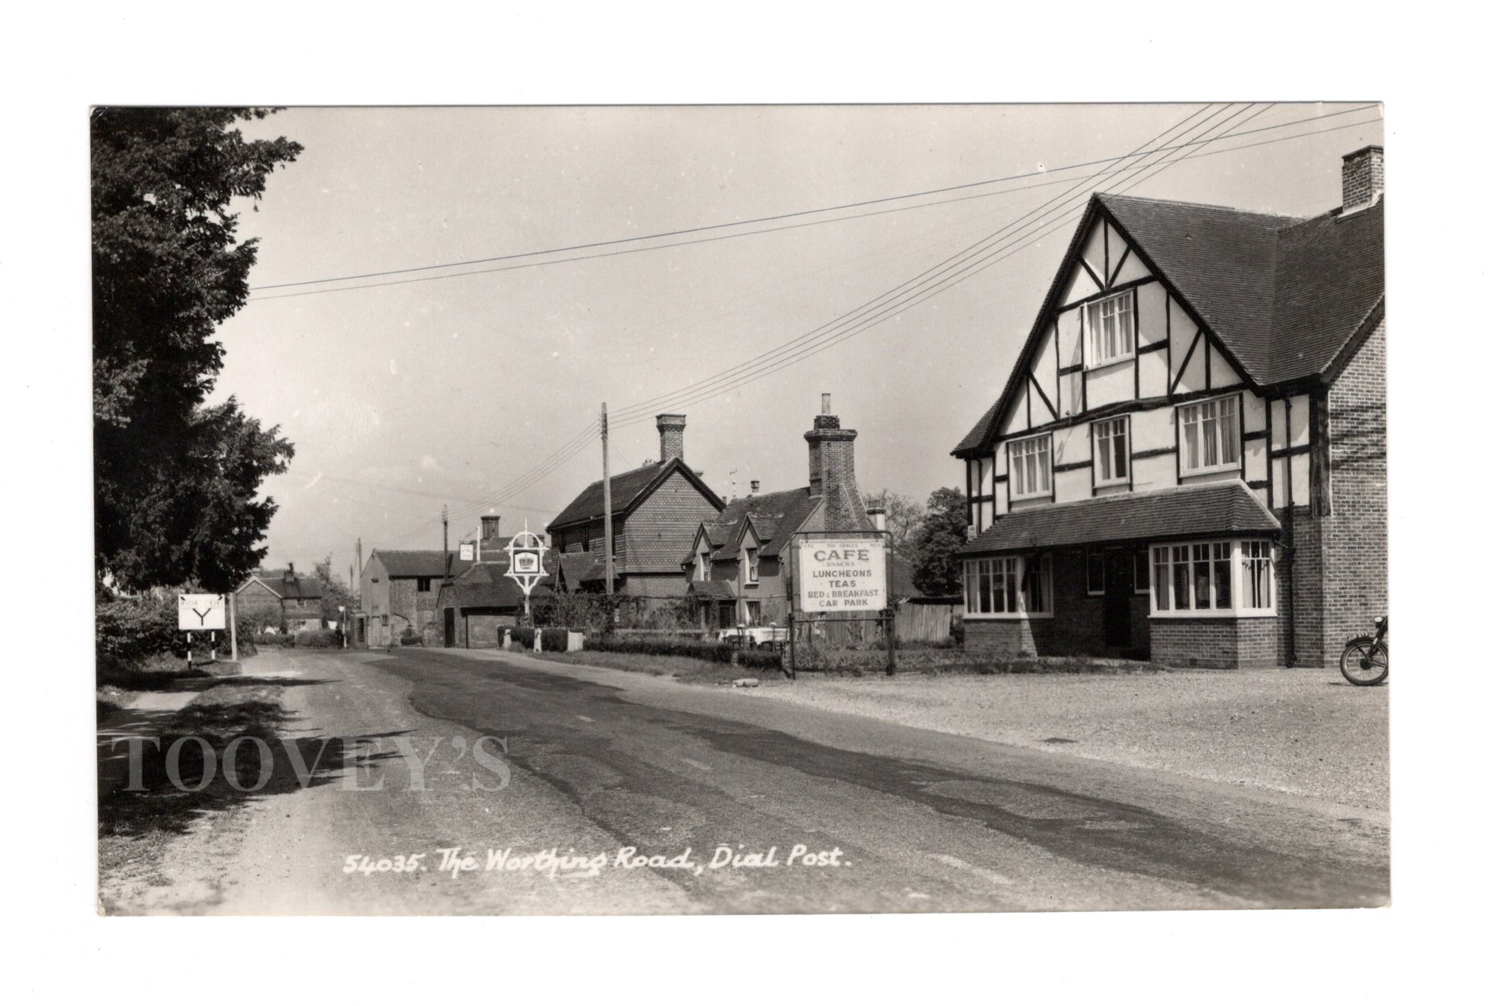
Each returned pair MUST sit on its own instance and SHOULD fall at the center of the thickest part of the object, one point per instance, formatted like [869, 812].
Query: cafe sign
[841, 574]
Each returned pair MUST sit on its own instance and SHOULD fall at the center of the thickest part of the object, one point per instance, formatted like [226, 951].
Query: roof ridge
[1204, 206]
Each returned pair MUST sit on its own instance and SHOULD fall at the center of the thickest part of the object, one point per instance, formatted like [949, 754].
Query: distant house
[279, 601]
[398, 590]
[737, 566]
[477, 605]
[655, 511]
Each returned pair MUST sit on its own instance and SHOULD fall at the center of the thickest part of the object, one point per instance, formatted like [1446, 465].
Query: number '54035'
[398, 864]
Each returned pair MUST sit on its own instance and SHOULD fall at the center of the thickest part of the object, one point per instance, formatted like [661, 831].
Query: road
[594, 761]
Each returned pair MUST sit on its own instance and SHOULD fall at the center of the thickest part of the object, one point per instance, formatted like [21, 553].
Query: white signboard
[526, 551]
[200, 612]
[841, 574]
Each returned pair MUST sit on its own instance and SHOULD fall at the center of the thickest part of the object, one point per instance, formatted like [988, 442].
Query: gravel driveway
[1299, 731]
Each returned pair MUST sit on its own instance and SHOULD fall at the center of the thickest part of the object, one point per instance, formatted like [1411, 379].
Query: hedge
[132, 630]
[317, 639]
[759, 659]
[553, 640]
[718, 653]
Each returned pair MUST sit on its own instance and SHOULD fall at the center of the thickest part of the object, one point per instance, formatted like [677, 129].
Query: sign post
[842, 574]
[199, 613]
[526, 552]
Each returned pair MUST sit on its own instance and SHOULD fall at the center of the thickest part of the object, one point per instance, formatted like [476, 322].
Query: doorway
[1119, 587]
[448, 628]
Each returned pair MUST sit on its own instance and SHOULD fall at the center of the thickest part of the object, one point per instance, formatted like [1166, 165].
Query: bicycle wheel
[1365, 662]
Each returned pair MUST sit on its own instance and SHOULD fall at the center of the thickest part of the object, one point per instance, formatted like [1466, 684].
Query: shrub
[555, 640]
[718, 653]
[410, 637]
[129, 631]
[523, 636]
[273, 640]
[759, 659]
[317, 639]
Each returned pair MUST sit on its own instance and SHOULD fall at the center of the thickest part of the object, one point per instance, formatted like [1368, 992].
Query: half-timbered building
[1187, 462]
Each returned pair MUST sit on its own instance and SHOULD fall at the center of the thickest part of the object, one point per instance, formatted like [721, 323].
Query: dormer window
[1111, 329]
[1031, 467]
[702, 571]
[752, 565]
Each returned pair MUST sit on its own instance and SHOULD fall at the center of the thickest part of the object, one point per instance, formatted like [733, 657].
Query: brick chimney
[670, 426]
[755, 487]
[489, 526]
[1364, 178]
[830, 451]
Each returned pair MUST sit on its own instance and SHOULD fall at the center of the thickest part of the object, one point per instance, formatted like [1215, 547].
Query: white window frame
[1120, 309]
[1017, 448]
[702, 564]
[1231, 403]
[1101, 455]
[1013, 569]
[1168, 556]
[750, 562]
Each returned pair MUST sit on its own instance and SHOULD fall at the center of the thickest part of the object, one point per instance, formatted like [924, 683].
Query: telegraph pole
[609, 521]
[445, 543]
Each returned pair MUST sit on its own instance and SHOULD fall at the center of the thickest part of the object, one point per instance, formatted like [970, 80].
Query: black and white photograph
[666, 510]
[777, 504]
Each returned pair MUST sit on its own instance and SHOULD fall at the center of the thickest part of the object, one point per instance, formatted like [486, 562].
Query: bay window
[1008, 587]
[1111, 329]
[1210, 435]
[1197, 579]
[1112, 452]
[1031, 467]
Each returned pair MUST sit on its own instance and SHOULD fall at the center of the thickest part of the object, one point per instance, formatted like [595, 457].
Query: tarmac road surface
[887, 818]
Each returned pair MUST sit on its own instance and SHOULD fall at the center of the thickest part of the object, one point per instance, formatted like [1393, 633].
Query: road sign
[200, 612]
[839, 574]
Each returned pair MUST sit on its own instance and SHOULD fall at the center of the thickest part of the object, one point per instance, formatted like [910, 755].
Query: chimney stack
[754, 487]
[877, 517]
[830, 458]
[670, 426]
[1364, 177]
[489, 526]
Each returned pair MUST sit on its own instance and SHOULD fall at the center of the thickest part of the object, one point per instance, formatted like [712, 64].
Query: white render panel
[1255, 412]
[1117, 248]
[1114, 383]
[1093, 251]
[1132, 270]
[1159, 472]
[1301, 478]
[1192, 377]
[986, 514]
[1278, 487]
[1072, 395]
[1183, 329]
[1222, 374]
[1070, 444]
[1154, 377]
[1299, 422]
[1080, 286]
[1152, 430]
[1256, 456]
[1278, 424]
[1074, 485]
[1069, 336]
[1151, 307]
[1044, 367]
[1015, 419]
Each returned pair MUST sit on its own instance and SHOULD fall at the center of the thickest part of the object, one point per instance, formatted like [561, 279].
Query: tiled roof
[1227, 507]
[580, 567]
[711, 588]
[485, 585]
[418, 562]
[298, 588]
[1284, 294]
[773, 515]
[625, 490]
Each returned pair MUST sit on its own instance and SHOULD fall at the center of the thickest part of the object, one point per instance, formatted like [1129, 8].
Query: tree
[903, 518]
[175, 482]
[336, 593]
[944, 530]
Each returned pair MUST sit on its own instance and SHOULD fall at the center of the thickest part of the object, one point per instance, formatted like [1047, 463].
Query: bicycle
[1367, 659]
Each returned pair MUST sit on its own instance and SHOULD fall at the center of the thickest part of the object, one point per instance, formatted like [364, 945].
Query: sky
[405, 391]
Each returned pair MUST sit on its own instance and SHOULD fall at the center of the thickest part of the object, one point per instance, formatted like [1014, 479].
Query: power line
[721, 226]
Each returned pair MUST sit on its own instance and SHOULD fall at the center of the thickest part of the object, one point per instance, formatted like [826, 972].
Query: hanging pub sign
[526, 551]
[841, 574]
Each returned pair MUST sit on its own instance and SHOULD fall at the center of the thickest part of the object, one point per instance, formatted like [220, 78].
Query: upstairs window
[1111, 329]
[752, 565]
[703, 565]
[1031, 467]
[1112, 452]
[424, 585]
[1210, 436]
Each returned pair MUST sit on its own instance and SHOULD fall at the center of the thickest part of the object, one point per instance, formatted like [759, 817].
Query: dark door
[448, 631]
[1119, 585]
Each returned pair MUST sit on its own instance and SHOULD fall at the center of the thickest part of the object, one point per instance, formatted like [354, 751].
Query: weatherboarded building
[1188, 462]
[655, 511]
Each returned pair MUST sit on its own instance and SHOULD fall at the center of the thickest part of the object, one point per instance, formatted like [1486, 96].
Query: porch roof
[1228, 507]
[710, 589]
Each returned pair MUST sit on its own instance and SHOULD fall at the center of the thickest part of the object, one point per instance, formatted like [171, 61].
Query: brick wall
[1000, 637]
[1214, 642]
[1355, 533]
[1300, 586]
